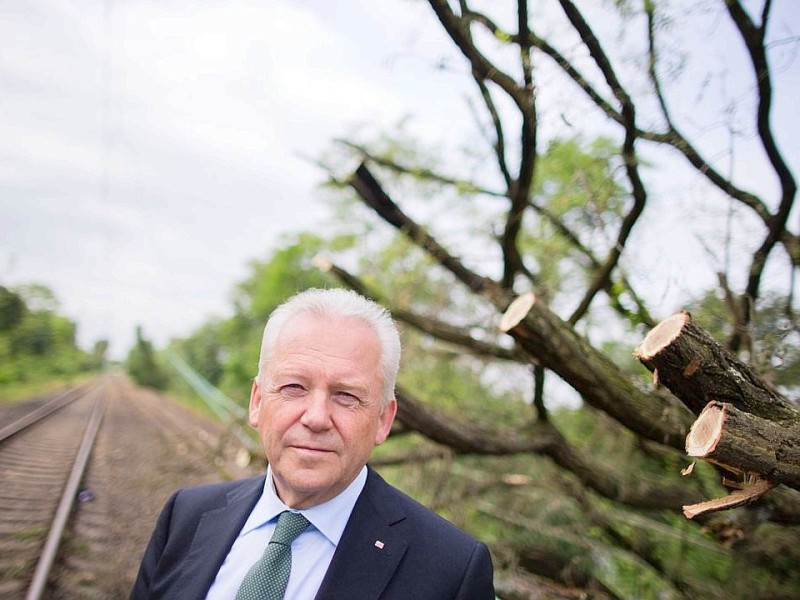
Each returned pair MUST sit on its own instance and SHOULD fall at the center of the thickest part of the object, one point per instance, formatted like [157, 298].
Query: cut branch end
[323, 263]
[706, 431]
[661, 336]
[516, 311]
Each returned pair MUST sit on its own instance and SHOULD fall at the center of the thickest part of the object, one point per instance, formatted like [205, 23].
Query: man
[322, 399]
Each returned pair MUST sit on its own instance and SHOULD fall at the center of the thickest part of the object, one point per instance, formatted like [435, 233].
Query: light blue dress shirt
[312, 551]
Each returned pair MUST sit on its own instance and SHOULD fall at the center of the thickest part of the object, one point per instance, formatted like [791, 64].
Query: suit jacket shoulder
[192, 537]
[395, 548]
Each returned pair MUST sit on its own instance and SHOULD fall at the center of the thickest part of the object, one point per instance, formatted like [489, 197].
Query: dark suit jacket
[423, 556]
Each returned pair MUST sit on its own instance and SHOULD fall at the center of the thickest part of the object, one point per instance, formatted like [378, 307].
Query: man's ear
[385, 421]
[255, 403]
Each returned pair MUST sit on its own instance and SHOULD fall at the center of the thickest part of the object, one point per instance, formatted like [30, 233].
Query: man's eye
[293, 389]
[346, 398]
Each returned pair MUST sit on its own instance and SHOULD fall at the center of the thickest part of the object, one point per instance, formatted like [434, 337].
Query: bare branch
[458, 31]
[577, 77]
[425, 173]
[373, 195]
[520, 191]
[741, 322]
[641, 315]
[650, 9]
[602, 277]
[675, 139]
[753, 37]
[539, 374]
[523, 96]
[439, 329]
[500, 142]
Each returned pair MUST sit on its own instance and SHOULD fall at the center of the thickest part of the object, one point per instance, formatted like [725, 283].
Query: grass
[30, 533]
[11, 393]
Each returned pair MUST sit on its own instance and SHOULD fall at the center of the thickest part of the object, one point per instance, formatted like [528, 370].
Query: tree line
[38, 343]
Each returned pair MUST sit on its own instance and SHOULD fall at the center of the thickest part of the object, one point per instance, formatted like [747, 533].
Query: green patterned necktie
[267, 579]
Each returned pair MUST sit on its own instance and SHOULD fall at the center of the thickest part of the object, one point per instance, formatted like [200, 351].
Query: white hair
[342, 303]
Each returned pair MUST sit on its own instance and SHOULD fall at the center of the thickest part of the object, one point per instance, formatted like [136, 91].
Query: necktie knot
[290, 525]
[268, 577]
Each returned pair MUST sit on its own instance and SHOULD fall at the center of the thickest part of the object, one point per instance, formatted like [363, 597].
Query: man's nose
[317, 414]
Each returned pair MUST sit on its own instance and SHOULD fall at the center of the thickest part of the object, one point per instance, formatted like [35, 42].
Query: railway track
[43, 456]
[133, 448]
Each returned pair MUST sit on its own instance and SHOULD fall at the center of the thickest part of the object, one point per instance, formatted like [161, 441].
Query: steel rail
[43, 411]
[47, 558]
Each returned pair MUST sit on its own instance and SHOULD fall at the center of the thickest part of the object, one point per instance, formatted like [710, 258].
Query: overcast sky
[150, 148]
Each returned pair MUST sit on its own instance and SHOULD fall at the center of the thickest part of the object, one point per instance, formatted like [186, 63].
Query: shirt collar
[330, 517]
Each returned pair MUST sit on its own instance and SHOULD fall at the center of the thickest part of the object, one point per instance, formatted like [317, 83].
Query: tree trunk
[744, 443]
[698, 370]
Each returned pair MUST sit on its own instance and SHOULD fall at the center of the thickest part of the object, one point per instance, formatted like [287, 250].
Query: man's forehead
[311, 324]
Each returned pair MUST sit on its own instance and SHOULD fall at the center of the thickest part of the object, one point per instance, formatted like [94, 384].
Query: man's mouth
[311, 449]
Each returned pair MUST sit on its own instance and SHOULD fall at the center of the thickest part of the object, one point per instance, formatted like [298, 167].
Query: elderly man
[321, 524]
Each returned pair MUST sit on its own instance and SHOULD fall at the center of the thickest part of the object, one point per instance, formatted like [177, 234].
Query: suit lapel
[216, 531]
[370, 549]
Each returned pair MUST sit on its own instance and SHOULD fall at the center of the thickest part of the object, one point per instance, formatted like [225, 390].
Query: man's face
[317, 407]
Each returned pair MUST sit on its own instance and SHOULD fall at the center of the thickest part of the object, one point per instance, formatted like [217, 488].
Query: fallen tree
[553, 255]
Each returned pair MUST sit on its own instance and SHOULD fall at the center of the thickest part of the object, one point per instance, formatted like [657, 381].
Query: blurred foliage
[12, 309]
[38, 344]
[144, 367]
[576, 191]
[225, 351]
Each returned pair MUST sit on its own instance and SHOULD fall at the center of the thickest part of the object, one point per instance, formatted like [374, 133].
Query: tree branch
[434, 327]
[672, 137]
[457, 29]
[425, 173]
[540, 438]
[638, 192]
[743, 443]
[520, 190]
[546, 338]
[642, 315]
[499, 144]
[373, 195]
[698, 370]
[753, 37]
[523, 96]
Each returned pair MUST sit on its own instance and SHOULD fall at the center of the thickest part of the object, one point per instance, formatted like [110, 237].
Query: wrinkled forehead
[344, 348]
